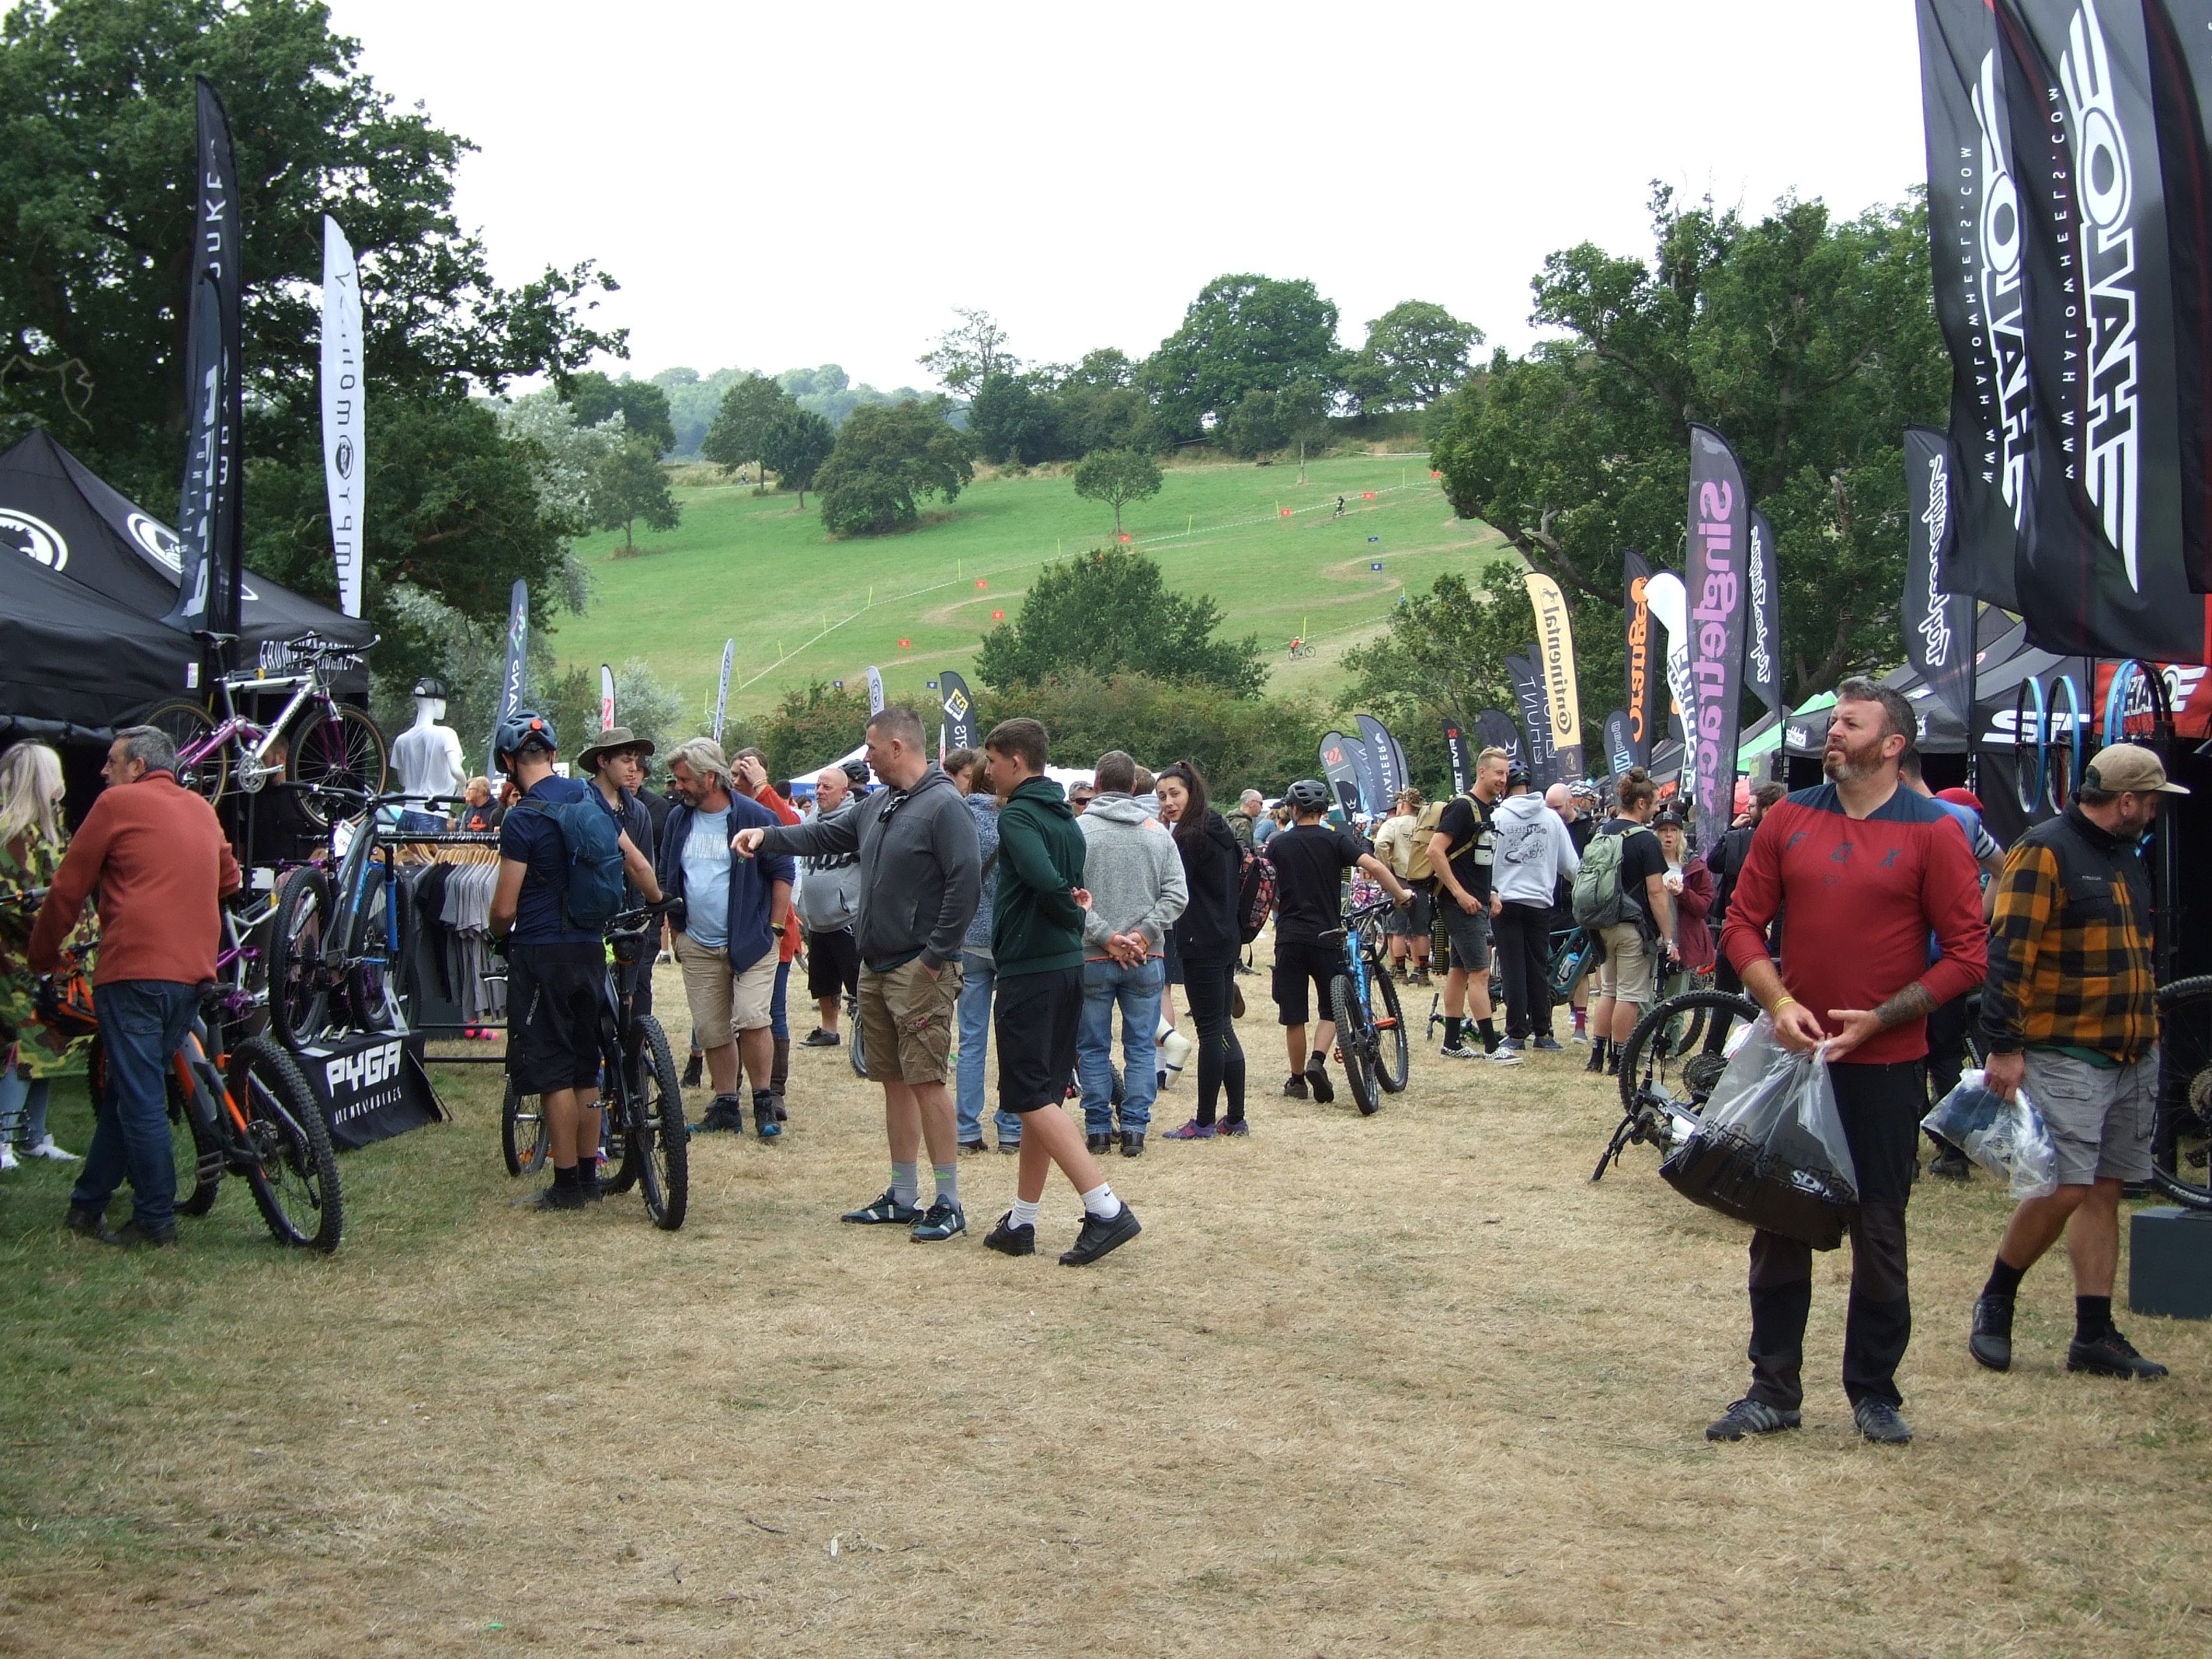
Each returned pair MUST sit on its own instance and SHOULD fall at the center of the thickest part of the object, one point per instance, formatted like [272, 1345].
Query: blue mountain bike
[1370, 1031]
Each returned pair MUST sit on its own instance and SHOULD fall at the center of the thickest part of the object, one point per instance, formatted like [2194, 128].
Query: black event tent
[85, 577]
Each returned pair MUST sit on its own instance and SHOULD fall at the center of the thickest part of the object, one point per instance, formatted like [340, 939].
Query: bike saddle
[208, 636]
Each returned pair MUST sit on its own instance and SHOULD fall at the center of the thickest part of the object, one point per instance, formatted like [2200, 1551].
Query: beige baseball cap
[2128, 767]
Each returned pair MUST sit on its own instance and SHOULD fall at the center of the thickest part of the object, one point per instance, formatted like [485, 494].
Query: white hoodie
[1531, 851]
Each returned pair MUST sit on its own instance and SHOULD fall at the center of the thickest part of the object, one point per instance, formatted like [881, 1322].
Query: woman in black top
[1207, 936]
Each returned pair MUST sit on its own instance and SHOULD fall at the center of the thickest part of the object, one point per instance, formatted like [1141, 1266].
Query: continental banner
[1555, 661]
[1719, 599]
[1643, 709]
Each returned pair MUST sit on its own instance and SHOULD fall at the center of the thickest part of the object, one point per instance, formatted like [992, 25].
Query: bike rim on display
[187, 726]
[2181, 1137]
[298, 1002]
[2030, 754]
[2158, 718]
[345, 749]
[2065, 750]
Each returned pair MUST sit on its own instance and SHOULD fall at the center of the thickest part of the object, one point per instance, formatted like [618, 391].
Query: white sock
[1101, 1202]
[1023, 1215]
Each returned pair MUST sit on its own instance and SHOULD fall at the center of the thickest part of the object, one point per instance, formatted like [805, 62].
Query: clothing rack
[454, 846]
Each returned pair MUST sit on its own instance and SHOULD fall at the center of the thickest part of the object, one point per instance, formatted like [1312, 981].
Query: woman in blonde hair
[31, 844]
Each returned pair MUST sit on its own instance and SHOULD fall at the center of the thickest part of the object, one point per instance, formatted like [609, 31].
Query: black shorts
[833, 963]
[1298, 966]
[556, 994]
[1034, 1021]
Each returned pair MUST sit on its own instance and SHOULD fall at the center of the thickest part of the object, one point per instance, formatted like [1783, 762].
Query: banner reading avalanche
[1974, 234]
[1461, 757]
[1388, 760]
[2181, 89]
[722, 690]
[207, 529]
[959, 711]
[1642, 686]
[1619, 745]
[1555, 657]
[1719, 606]
[512, 678]
[345, 413]
[1535, 716]
[2101, 572]
[1939, 627]
[1497, 730]
[1762, 663]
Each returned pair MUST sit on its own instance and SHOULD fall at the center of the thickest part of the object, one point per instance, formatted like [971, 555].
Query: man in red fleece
[1862, 871]
[159, 859]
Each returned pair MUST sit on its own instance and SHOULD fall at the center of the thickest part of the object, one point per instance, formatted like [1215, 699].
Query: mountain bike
[336, 745]
[2181, 1134]
[641, 1098]
[1370, 1031]
[1665, 1077]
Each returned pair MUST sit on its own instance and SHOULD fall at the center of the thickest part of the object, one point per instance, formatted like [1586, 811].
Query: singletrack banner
[959, 710]
[208, 511]
[1384, 761]
[345, 413]
[722, 690]
[1535, 716]
[1498, 731]
[1342, 766]
[1981, 298]
[875, 691]
[2180, 90]
[513, 678]
[2102, 572]
[1620, 744]
[1643, 683]
[1720, 607]
[371, 1087]
[1762, 664]
[1555, 658]
[1670, 607]
[606, 698]
[1461, 757]
[1939, 627]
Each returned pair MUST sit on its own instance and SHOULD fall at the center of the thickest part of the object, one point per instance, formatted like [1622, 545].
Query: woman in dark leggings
[1206, 936]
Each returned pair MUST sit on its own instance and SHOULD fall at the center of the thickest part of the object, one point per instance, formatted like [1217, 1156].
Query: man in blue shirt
[557, 973]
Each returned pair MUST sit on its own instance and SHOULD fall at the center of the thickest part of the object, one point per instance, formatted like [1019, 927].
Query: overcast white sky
[800, 184]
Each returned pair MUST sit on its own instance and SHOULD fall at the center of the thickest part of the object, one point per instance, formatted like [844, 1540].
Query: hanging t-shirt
[1309, 860]
[707, 879]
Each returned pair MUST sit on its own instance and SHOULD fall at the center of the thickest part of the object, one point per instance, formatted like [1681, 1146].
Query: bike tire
[347, 750]
[1670, 1029]
[856, 1050]
[2027, 784]
[2181, 1133]
[198, 1154]
[1394, 1053]
[186, 724]
[524, 1139]
[367, 972]
[293, 1172]
[659, 1144]
[299, 1001]
[2071, 749]
[1355, 1040]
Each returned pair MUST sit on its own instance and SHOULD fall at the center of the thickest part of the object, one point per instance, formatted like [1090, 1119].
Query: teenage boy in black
[1459, 854]
[1037, 941]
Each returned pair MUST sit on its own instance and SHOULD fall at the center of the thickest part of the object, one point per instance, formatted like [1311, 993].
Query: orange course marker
[980, 582]
[906, 644]
[1285, 511]
[1367, 494]
[998, 616]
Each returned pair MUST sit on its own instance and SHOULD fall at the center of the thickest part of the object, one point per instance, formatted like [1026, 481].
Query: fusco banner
[1555, 659]
[1719, 599]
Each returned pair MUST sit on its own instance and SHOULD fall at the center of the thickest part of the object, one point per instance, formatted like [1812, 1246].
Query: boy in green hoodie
[1036, 939]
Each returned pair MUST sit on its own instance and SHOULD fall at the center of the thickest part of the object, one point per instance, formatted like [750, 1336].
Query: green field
[803, 606]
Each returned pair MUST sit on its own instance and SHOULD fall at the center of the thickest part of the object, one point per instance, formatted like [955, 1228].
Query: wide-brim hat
[615, 737]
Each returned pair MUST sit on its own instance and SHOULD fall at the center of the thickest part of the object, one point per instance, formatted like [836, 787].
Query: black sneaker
[1751, 1417]
[1012, 1148]
[940, 1222]
[594, 1190]
[1133, 1143]
[1878, 1421]
[1099, 1143]
[971, 1147]
[1317, 1080]
[1951, 1164]
[691, 1071]
[1097, 1237]
[2111, 1355]
[1990, 1341]
[885, 1211]
[1010, 1240]
[560, 1196]
[131, 1234]
[726, 1113]
[767, 1121]
[1294, 1089]
[1596, 1065]
[818, 1038]
[86, 1223]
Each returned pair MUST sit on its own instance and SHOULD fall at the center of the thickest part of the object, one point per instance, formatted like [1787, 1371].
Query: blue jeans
[779, 1007]
[24, 1098]
[1107, 985]
[979, 976]
[142, 1022]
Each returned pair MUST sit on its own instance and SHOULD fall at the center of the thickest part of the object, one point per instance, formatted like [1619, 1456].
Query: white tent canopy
[1066, 777]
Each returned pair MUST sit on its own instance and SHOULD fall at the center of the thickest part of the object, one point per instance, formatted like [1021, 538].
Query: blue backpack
[595, 889]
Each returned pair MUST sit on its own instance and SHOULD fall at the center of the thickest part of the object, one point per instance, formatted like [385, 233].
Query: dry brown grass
[1410, 1383]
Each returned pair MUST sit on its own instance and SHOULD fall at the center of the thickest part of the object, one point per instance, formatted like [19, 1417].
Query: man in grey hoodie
[1134, 877]
[919, 876]
[829, 900]
[1530, 850]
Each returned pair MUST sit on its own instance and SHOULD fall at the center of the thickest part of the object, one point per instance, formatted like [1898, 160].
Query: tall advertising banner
[1762, 662]
[875, 691]
[1339, 764]
[1981, 297]
[1389, 766]
[345, 413]
[606, 698]
[1670, 607]
[1461, 757]
[1643, 683]
[1497, 730]
[1939, 627]
[1555, 657]
[1620, 744]
[959, 710]
[2180, 89]
[208, 513]
[1719, 617]
[513, 680]
[1535, 716]
[2102, 574]
[722, 690]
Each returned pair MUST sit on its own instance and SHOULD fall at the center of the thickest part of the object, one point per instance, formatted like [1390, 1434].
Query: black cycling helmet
[524, 729]
[1518, 778]
[856, 774]
[1307, 795]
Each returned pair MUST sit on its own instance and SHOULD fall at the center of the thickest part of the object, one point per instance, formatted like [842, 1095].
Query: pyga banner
[1339, 764]
[207, 512]
[513, 678]
[1461, 758]
[606, 698]
[1669, 607]
[1642, 702]
[1974, 233]
[1762, 662]
[1555, 657]
[2180, 89]
[1535, 716]
[959, 710]
[875, 691]
[345, 413]
[1620, 744]
[2101, 572]
[1939, 627]
[1497, 730]
[1383, 752]
[722, 690]
[1720, 606]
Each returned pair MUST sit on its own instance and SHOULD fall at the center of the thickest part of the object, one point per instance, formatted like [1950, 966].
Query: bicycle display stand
[371, 1086]
[2170, 1262]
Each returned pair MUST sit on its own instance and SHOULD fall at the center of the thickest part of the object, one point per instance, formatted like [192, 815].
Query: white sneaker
[1581, 1037]
[47, 1149]
[1462, 1052]
[1502, 1056]
[8, 1159]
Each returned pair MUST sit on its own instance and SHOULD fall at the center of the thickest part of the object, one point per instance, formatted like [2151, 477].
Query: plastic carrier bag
[1770, 1148]
[2005, 1137]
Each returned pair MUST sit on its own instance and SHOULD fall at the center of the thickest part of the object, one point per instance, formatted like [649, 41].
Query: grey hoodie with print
[1530, 850]
[1132, 871]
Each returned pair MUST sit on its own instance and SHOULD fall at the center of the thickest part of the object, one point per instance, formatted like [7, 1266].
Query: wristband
[1782, 1001]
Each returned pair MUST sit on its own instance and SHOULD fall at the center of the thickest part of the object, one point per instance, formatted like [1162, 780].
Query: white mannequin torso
[428, 755]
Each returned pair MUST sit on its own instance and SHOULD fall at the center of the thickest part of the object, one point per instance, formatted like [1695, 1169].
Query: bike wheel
[1394, 1054]
[188, 725]
[198, 1154]
[293, 1172]
[855, 1049]
[367, 965]
[299, 1001]
[523, 1136]
[346, 750]
[2181, 1134]
[660, 1146]
[1662, 1054]
[1355, 1045]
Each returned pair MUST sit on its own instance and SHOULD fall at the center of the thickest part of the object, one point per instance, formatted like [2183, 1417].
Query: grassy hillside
[803, 606]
